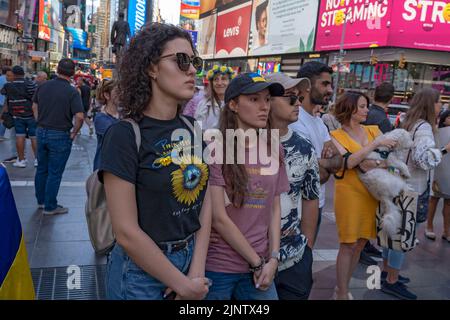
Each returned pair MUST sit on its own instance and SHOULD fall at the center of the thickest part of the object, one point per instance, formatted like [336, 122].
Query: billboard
[424, 25]
[137, 15]
[207, 36]
[206, 6]
[190, 9]
[189, 13]
[7, 11]
[232, 30]
[366, 24]
[275, 27]
[79, 38]
[45, 16]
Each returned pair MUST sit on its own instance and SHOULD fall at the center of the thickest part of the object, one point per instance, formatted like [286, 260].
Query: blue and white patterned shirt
[303, 174]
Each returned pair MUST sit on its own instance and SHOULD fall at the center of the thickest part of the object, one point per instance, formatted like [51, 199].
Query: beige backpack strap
[137, 131]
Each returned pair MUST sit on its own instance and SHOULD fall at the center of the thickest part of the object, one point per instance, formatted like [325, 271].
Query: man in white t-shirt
[312, 127]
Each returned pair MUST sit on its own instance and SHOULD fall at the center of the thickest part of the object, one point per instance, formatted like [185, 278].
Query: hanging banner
[137, 15]
[366, 24]
[233, 27]
[275, 27]
[421, 25]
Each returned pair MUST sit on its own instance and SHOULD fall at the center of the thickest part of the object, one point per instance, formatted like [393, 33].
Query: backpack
[97, 217]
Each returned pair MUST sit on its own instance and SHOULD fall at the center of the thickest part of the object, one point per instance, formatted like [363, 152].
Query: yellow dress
[354, 206]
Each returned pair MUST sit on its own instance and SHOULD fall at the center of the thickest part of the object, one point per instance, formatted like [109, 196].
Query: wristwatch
[444, 151]
[275, 255]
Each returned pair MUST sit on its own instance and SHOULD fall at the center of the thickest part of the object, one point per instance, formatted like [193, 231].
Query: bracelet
[258, 267]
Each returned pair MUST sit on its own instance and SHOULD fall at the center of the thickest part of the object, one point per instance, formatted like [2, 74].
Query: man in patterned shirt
[299, 206]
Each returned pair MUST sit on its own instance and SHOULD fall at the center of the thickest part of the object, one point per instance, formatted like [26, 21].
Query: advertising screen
[207, 36]
[137, 11]
[206, 6]
[233, 27]
[275, 27]
[421, 25]
[7, 11]
[190, 9]
[365, 23]
[45, 16]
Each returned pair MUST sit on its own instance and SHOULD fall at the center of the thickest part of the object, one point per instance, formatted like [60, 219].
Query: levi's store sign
[233, 27]
[421, 24]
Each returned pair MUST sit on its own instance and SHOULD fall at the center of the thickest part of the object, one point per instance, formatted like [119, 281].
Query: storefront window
[441, 79]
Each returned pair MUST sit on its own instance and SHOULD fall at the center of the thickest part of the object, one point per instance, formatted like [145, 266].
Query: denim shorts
[239, 286]
[25, 127]
[125, 280]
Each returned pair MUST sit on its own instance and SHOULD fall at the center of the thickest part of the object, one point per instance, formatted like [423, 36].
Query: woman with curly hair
[160, 208]
[207, 109]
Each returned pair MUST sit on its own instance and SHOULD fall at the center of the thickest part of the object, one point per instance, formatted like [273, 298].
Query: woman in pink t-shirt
[243, 259]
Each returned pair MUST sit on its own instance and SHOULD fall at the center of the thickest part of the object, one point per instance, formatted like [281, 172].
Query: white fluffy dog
[384, 184]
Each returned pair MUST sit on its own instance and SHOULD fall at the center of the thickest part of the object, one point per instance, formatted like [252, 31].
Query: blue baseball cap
[249, 83]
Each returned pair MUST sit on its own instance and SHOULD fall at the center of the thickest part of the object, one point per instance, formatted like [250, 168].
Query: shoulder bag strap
[345, 156]
[414, 135]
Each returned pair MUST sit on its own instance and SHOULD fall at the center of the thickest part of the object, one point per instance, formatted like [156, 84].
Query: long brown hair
[422, 108]
[235, 175]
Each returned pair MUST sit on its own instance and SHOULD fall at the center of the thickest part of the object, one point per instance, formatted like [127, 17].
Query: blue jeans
[295, 283]
[53, 152]
[394, 258]
[125, 280]
[239, 286]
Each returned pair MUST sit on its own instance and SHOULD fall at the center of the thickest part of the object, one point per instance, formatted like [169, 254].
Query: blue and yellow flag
[15, 276]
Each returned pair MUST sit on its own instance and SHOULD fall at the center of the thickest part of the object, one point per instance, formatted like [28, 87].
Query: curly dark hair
[145, 48]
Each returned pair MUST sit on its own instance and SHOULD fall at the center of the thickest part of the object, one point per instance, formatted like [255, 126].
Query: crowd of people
[199, 229]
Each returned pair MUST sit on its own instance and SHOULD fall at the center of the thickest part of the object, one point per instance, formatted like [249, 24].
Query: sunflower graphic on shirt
[189, 180]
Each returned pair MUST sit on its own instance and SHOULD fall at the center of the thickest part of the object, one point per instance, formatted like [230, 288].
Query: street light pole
[340, 58]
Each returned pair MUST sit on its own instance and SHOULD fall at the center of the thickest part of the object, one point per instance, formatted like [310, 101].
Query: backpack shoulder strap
[137, 132]
[187, 123]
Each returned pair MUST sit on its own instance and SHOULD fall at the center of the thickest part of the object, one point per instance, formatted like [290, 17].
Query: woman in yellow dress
[355, 207]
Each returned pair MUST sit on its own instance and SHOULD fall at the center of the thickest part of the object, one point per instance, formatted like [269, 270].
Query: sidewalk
[54, 243]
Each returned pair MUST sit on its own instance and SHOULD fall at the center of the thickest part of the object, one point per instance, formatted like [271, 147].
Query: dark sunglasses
[184, 61]
[293, 99]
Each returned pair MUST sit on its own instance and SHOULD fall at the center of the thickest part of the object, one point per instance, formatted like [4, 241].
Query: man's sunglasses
[184, 61]
[293, 99]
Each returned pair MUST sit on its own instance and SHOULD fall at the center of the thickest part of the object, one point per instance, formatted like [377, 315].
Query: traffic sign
[25, 40]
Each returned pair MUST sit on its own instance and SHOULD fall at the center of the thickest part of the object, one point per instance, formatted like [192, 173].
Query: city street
[56, 242]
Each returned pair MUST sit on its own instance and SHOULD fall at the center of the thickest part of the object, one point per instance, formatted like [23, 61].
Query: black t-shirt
[169, 196]
[57, 103]
[85, 96]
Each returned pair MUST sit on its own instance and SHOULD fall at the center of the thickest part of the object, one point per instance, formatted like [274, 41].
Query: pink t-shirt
[252, 219]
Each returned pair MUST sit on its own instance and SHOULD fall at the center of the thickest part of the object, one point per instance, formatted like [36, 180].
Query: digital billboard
[275, 27]
[420, 25]
[366, 24]
[232, 30]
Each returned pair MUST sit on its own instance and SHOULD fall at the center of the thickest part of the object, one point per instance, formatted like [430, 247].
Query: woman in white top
[210, 106]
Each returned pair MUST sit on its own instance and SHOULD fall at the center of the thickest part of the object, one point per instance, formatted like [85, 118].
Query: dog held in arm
[387, 183]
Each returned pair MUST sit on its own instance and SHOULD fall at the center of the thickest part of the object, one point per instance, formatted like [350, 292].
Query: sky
[170, 9]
